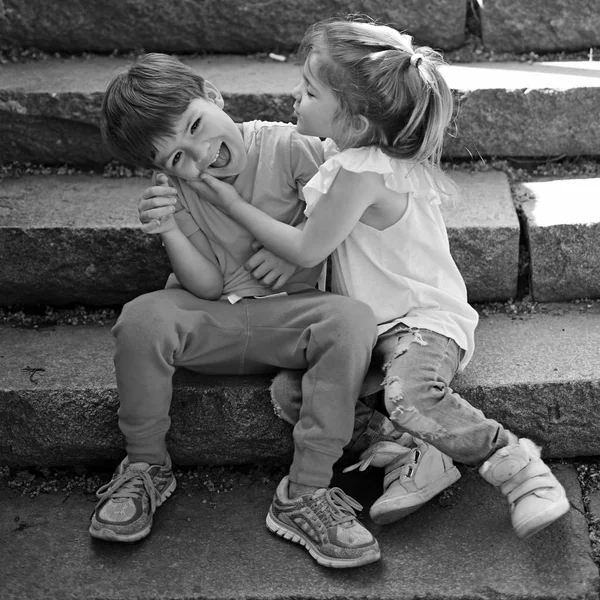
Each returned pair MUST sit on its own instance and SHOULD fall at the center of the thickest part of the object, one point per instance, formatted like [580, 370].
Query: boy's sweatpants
[329, 337]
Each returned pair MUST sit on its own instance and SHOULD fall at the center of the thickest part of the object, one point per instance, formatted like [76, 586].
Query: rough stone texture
[563, 229]
[537, 374]
[517, 109]
[49, 110]
[188, 26]
[75, 239]
[540, 25]
[483, 229]
[211, 546]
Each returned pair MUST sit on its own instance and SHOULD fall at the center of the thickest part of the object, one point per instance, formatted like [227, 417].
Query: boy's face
[206, 140]
[315, 104]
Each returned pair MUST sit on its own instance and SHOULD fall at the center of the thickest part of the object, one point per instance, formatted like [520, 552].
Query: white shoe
[535, 496]
[415, 472]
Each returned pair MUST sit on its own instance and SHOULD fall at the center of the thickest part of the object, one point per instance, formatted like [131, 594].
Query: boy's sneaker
[415, 472]
[325, 524]
[127, 503]
[535, 496]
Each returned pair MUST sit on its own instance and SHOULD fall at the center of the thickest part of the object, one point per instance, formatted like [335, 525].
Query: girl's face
[316, 105]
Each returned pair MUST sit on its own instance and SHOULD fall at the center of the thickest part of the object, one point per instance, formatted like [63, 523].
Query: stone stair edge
[82, 243]
[536, 373]
[503, 106]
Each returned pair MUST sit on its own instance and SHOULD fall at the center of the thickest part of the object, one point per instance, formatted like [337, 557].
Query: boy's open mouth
[222, 158]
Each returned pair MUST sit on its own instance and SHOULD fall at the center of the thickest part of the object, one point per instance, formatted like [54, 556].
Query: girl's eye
[310, 94]
[194, 125]
[176, 158]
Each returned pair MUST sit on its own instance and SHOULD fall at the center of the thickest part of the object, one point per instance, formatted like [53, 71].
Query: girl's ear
[213, 94]
[362, 125]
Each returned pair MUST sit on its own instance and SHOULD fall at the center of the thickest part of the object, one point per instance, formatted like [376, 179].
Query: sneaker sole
[389, 510]
[101, 532]
[527, 529]
[282, 530]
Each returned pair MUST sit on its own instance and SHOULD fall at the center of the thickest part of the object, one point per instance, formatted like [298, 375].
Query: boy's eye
[176, 158]
[194, 125]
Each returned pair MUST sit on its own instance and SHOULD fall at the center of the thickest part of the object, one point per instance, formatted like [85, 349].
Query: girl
[375, 207]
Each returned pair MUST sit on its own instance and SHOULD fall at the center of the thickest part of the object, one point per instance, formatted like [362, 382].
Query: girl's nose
[296, 92]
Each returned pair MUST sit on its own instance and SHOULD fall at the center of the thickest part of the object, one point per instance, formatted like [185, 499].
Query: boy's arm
[192, 259]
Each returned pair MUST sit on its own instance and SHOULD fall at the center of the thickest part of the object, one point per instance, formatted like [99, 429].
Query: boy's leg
[370, 425]
[330, 338]
[154, 334]
[419, 400]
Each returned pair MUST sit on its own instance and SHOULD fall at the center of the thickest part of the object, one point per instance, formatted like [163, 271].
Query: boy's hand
[156, 207]
[215, 191]
[268, 269]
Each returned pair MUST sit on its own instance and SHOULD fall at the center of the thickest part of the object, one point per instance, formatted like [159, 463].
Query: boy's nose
[200, 151]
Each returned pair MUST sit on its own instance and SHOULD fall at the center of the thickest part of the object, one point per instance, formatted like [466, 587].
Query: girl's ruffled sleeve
[398, 176]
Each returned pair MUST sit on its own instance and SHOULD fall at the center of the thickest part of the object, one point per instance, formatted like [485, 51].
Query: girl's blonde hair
[391, 94]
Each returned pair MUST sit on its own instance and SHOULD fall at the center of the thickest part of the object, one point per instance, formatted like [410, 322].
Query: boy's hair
[144, 103]
[375, 72]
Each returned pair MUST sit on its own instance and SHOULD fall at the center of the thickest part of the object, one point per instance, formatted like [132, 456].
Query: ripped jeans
[419, 365]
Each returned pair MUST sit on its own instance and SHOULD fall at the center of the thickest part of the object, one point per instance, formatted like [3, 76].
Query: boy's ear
[213, 94]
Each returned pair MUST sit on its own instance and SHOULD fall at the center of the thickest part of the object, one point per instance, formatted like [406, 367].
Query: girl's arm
[332, 219]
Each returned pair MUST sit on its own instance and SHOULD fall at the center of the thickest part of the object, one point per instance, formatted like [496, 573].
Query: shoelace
[335, 507]
[127, 485]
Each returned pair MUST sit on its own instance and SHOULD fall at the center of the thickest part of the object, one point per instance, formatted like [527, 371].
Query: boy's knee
[356, 318]
[149, 314]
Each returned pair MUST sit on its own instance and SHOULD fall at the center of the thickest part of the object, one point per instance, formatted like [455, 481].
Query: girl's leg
[419, 367]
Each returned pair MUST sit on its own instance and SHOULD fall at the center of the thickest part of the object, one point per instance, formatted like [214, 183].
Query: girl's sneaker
[325, 523]
[127, 503]
[414, 473]
[535, 496]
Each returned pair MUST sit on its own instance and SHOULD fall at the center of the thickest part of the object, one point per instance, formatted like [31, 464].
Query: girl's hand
[156, 207]
[268, 269]
[220, 194]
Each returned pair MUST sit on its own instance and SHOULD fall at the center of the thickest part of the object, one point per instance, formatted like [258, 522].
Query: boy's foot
[325, 524]
[415, 472]
[535, 496]
[127, 503]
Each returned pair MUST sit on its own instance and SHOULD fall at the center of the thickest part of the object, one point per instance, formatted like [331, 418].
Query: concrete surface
[539, 375]
[77, 239]
[50, 109]
[215, 546]
[540, 25]
[189, 26]
[563, 229]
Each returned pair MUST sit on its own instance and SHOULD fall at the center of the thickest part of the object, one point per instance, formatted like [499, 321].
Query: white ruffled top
[405, 272]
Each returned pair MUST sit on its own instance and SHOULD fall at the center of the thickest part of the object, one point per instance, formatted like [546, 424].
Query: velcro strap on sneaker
[534, 469]
[547, 481]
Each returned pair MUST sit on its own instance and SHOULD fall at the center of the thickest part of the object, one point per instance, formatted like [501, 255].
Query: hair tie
[415, 59]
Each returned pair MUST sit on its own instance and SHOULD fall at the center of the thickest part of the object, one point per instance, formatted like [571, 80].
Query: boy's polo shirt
[280, 163]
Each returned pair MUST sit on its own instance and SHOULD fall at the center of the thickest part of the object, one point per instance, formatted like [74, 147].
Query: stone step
[238, 26]
[49, 110]
[537, 373]
[210, 545]
[76, 239]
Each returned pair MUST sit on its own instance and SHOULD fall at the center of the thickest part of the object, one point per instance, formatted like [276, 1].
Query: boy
[214, 317]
